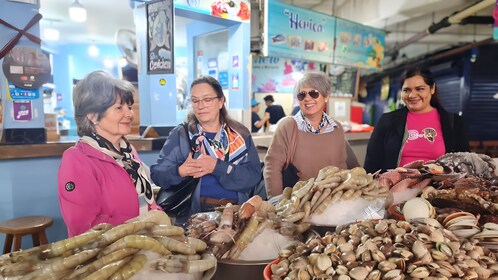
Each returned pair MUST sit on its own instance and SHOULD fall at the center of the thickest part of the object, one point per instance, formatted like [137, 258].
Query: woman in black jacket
[421, 130]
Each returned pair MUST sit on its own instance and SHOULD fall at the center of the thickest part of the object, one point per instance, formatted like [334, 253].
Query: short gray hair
[94, 94]
[316, 80]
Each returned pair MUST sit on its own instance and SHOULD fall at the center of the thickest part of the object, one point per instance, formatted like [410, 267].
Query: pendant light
[50, 33]
[77, 12]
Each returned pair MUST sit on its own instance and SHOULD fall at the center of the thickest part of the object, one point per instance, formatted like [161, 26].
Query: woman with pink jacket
[100, 178]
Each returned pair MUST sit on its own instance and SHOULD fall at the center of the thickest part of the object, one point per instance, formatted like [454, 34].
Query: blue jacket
[241, 178]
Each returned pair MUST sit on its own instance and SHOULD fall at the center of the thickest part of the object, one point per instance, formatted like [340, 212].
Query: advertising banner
[273, 74]
[297, 33]
[237, 10]
[359, 45]
[293, 32]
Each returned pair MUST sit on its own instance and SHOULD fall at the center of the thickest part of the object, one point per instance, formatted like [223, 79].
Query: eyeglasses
[313, 93]
[206, 101]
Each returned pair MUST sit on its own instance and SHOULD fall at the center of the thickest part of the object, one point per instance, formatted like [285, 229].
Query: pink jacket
[94, 189]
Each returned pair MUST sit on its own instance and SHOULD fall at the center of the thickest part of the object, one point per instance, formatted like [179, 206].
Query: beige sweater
[313, 152]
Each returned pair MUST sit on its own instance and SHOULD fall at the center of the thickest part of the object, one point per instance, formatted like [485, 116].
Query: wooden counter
[55, 149]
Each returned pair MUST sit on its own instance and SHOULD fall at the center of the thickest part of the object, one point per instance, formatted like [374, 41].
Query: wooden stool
[16, 228]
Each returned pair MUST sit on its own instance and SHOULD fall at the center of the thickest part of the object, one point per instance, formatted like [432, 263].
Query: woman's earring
[95, 123]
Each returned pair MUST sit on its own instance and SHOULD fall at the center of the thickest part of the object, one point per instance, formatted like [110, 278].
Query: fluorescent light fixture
[77, 12]
[93, 51]
[51, 34]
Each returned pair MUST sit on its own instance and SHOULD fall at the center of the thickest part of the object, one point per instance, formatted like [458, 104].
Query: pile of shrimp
[107, 252]
[228, 234]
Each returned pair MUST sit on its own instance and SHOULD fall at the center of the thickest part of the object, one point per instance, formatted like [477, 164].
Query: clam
[374, 275]
[418, 208]
[359, 273]
[420, 272]
[323, 262]
[393, 274]
[303, 274]
[419, 249]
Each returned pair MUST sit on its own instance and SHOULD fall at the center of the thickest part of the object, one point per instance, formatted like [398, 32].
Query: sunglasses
[313, 93]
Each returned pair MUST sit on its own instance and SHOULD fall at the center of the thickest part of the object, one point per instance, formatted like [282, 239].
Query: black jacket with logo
[384, 147]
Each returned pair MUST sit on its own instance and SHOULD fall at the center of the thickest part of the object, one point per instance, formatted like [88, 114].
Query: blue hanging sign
[359, 45]
[293, 32]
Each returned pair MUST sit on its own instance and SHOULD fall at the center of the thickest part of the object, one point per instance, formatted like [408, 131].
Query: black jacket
[386, 141]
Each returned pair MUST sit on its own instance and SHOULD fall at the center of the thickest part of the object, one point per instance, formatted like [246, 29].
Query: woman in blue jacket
[225, 158]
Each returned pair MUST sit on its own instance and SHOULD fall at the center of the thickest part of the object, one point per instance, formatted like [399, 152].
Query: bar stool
[16, 228]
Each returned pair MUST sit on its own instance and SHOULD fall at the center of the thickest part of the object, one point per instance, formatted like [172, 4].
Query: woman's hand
[199, 167]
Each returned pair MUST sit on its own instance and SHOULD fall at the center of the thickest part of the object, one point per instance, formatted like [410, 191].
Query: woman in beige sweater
[311, 139]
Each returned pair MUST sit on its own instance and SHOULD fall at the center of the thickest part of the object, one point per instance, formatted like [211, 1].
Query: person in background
[273, 112]
[225, 158]
[256, 121]
[423, 130]
[100, 177]
[320, 139]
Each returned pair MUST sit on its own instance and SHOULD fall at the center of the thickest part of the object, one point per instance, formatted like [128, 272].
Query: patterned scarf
[125, 158]
[304, 124]
[227, 145]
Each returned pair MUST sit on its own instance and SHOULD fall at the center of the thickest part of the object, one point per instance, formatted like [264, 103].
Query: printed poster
[275, 74]
[238, 10]
[23, 110]
[160, 34]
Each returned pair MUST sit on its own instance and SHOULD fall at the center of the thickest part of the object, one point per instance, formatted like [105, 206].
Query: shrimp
[62, 264]
[164, 230]
[108, 270]
[60, 247]
[245, 238]
[54, 275]
[131, 268]
[197, 244]
[175, 246]
[138, 242]
[199, 265]
[249, 207]
[99, 263]
[118, 232]
[224, 233]
[171, 265]
[156, 216]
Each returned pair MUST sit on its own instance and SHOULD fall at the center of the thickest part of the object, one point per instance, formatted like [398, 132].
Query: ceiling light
[93, 51]
[77, 12]
[51, 34]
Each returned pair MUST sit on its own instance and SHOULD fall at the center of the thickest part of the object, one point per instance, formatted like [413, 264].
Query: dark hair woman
[422, 130]
[224, 155]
